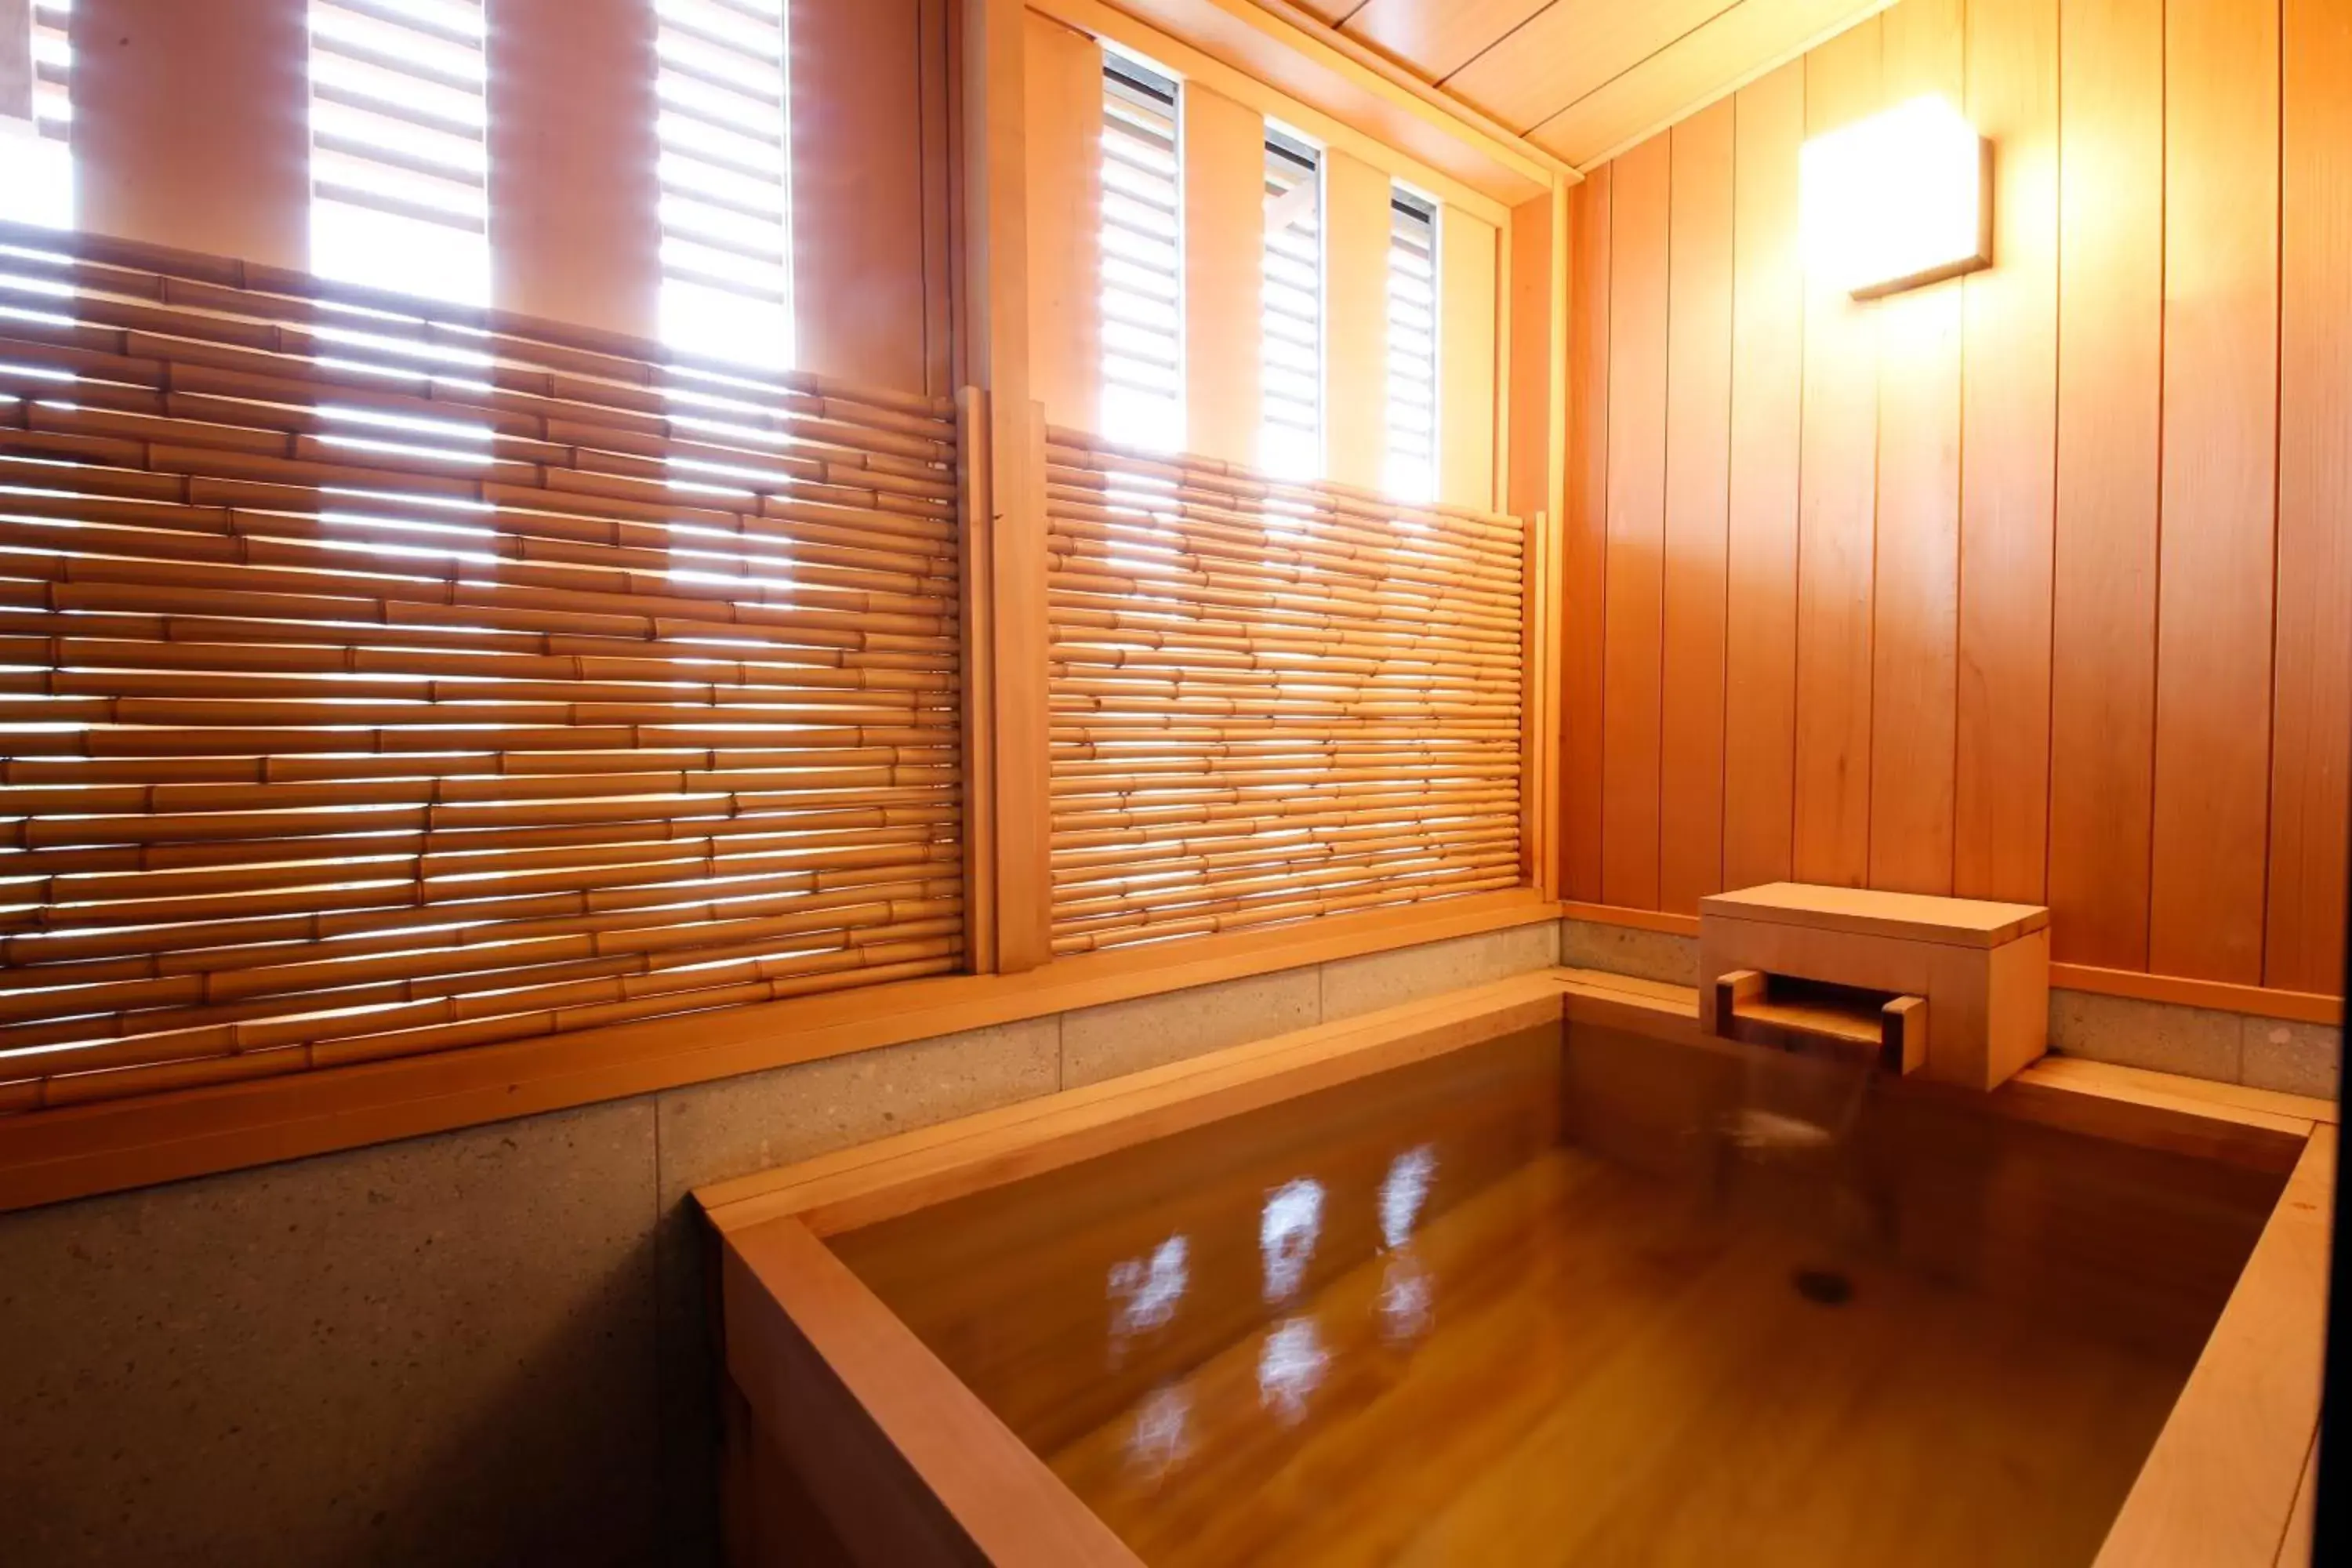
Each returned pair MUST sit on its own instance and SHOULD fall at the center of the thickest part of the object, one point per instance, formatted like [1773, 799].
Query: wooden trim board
[2220, 1486]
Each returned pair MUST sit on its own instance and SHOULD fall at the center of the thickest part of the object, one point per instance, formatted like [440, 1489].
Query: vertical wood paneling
[1225, 240]
[2221, 468]
[574, 188]
[2037, 585]
[1698, 473]
[2313, 742]
[1355, 318]
[1064, 97]
[1632, 630]
[2110, 375]
[2009, 469]
[1465, 359]
[1586, 534]
[1835, 519]
[192, 125]
[1766, 375]
[1915, 610]
[1535, 322]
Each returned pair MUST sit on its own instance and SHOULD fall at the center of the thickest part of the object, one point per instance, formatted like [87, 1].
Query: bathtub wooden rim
[2227, 1483]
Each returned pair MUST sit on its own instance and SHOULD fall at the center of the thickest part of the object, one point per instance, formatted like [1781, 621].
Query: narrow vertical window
[36, 113]
[1142, 258]
[726, 188]
[399, 156]
[1410, 471]
[1290, 314]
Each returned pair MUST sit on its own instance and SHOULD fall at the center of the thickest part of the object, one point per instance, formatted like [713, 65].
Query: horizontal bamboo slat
[1271, 701]
[380, 677]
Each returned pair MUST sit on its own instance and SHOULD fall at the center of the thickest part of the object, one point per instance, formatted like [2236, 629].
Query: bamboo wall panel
[373, 683]
[2036, 582]
[1272, 701]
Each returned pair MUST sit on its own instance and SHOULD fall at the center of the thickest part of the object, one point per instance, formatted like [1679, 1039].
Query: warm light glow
[1897, 200]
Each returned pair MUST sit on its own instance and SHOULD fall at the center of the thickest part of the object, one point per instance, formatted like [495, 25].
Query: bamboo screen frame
[379, 679]
[1272, 701]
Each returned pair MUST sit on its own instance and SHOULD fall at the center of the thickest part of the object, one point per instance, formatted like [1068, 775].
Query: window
[399, 159]
[1142, 258]
[1410, 471]
[36, 116]
[726, 195]
[1290, 313]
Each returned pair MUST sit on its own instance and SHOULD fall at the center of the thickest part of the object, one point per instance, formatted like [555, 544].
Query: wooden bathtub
[1537, 1273]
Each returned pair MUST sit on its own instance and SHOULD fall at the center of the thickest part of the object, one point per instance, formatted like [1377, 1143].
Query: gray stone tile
[436, 1351]
[2294, 1059]
[1377, 980]
[733, 1127]
[1623, 950]
[2197, 1041]
[710, 1132]
[1129, 1036]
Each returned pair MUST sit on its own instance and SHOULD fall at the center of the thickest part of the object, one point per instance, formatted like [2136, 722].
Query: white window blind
[399, 158]
[1410, 471]
[1290, 313]
[726, 191]
[36, 114]
[1142, 258]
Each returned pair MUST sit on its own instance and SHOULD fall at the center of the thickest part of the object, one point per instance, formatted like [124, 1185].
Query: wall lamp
[1901, 199]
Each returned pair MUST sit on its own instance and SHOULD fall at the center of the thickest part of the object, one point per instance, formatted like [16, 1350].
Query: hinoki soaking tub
[1534, 1274]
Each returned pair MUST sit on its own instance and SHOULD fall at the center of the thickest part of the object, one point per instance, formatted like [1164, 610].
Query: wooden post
[1011, 706]
[574, 190]
[192, 125]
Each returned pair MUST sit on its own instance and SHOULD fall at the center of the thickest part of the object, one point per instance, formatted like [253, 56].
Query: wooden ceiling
[1584, 79]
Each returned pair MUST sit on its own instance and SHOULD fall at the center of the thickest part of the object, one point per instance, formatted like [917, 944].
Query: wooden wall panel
[1632, 616]
[574, 184]
[2312, 743]
[1761, 597]
[1537, 321]
[1915, 606]
[1835, 520]
[858, 283]
[192, 125]
[2110, 380]
[2008, 480]
[1698, 476]
[2220, 476]
[1586, 548]
[2038, 583]
[1065, 95]
[1225, 242]
[1355, 318]
[1468, 253]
